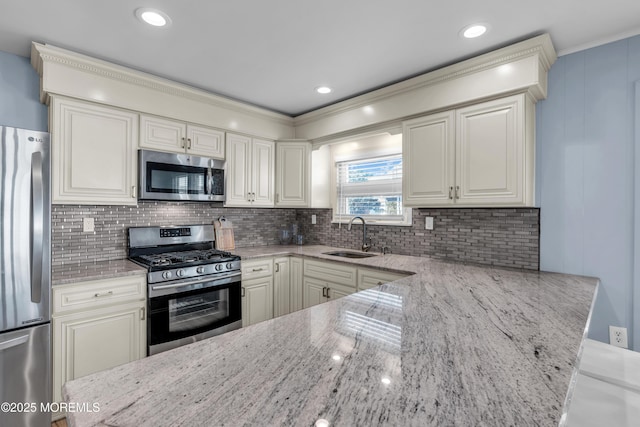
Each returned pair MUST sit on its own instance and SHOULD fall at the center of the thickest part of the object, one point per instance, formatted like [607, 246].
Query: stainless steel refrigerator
[25, 278]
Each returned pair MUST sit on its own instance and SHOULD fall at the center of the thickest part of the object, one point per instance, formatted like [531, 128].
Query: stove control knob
[218, 267]
[180, 273]
[200, 270]
[166, 275]
[229, 266]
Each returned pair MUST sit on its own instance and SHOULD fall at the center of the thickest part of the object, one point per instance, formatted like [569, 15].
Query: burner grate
[171, 258]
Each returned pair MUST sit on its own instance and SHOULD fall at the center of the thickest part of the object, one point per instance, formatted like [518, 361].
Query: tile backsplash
[502, 237]
[252, 227]
[506, 237]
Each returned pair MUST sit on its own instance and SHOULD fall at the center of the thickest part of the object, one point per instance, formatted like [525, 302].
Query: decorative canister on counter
[284, 236]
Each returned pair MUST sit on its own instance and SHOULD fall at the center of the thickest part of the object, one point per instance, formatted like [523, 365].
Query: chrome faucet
[365, 246]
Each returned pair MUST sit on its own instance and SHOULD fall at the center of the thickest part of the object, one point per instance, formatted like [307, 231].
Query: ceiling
[274, 53]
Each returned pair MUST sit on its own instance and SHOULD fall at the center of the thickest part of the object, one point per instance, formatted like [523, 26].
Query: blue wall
[585, 172]
[19, 94]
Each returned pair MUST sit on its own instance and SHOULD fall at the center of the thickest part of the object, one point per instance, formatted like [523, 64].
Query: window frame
[404, 220]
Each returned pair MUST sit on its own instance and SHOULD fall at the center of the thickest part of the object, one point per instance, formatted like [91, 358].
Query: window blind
[370, 188]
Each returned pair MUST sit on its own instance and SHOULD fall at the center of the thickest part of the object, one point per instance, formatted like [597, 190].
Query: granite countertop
[85, 271]
[452, 344]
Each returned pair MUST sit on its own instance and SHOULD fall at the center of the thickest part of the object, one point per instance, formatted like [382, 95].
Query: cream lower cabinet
[296, 278]
[257, 291]
[97, 325]
[159, 133]
[281, 287]
[324, 281]
[481, 155]
[93, 153]
[250, 172]
[370, 278]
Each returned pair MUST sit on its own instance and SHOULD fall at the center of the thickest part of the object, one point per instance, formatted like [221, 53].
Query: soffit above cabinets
[518, 68]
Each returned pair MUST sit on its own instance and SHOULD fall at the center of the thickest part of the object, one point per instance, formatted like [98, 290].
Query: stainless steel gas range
[194, 290]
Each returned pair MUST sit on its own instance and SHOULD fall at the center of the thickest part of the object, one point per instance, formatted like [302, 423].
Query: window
[371, 188]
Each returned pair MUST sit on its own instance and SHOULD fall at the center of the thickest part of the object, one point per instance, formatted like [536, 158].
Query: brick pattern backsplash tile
[499, 237]
[252, 227]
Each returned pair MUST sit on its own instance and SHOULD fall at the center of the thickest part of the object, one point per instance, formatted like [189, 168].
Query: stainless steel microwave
[183, 177]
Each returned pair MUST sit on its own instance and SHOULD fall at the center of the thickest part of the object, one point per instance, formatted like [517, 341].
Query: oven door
[168, 176]
[180, 314]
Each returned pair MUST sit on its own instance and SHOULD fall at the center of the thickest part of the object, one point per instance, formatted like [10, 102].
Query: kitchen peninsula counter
[452, 344]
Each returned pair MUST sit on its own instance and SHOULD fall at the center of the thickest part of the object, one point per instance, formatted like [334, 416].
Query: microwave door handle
[209, 190]
[37, 224]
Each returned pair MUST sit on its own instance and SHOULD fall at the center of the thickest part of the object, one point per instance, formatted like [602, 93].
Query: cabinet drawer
[369, 278]
[98, 293]
[330, 272]
[257, 268]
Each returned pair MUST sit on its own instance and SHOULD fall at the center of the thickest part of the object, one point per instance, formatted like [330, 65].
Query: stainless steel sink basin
[348, 254]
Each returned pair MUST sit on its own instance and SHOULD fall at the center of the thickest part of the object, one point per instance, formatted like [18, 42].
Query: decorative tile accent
[501, 237]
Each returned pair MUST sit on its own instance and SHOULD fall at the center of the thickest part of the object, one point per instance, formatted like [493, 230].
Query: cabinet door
[370, 278]
[263, 173]
[490, 147]
[94, 152]
[313, 292]
[428, 160]
[338, 291]
[158, 133]
[293, 174]
[281, 287]
[204, 141]
[295, 276]
[257, 302]
[238, 170]
[91, 341]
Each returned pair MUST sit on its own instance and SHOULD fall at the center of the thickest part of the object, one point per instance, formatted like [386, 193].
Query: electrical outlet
[618, 336]
[88, 225]
[428, 223]
[313, 219]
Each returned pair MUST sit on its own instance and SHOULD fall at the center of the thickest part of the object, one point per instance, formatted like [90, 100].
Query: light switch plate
[428, 223]
[88, 225]
[313, 219]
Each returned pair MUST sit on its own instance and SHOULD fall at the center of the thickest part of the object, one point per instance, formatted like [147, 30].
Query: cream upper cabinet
[481, 155]
[494, 164]
[293, 161]
[250, 171]
[93, 152]
[159, 133]
[428, 158]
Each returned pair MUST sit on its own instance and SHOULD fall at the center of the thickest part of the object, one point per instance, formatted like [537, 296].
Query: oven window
[175, 179]
[197, 311]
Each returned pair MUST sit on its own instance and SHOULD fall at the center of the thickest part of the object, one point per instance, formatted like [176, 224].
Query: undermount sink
[348, 254]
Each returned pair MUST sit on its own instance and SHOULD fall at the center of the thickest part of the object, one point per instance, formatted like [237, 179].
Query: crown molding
[43, 56]
[539, 47]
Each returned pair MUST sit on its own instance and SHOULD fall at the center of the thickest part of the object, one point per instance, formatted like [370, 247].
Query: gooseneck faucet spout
[365, 246]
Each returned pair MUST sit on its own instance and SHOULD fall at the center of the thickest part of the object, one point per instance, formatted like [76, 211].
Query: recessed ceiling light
[386, 381]
[324, 89]
[474, 30]
[154, 17]
[322, 423]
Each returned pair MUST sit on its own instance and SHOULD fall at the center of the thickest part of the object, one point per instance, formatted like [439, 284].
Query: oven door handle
[194, 282]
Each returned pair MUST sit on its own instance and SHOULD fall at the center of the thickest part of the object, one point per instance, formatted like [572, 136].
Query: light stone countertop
[99, 270]
[453, 344]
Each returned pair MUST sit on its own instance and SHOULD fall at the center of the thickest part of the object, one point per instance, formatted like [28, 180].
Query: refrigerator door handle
[37, 225]
[14, 342]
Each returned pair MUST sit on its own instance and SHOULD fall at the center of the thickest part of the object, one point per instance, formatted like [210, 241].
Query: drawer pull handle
[328, 295]
[104, 294]
[324, 292]
[142, 313]
[258, 269]
[242, 294]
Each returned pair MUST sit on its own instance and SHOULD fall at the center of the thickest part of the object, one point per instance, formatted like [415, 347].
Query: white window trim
[372, 151]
